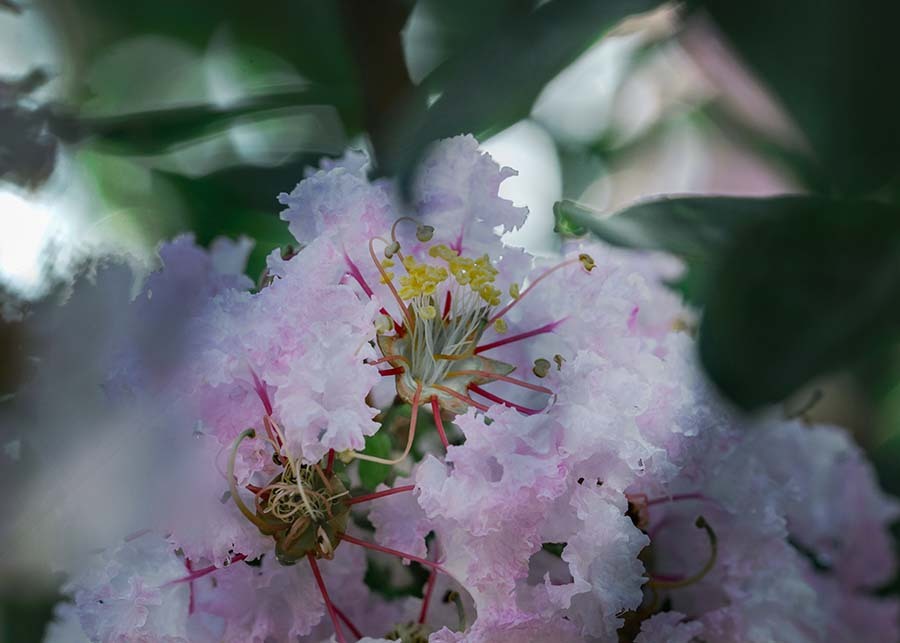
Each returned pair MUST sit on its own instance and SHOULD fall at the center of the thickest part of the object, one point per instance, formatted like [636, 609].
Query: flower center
[303, 508]
[446, 305]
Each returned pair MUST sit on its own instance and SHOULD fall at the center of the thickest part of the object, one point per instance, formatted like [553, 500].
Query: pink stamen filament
[380, 494]
[546, 328]
[499, 400]
[387, 358]
[503, 378]
[460, 396]
[328, 604]
[447, 301]
[391, 371]
[438, 422]
[274, 438]
[200, 573]
[357, 275]
[190, 567]
[426, 599]
[348, 622]
[531, 286]
[329, 467]
[393, 552]
[261, 391]
[409, 440]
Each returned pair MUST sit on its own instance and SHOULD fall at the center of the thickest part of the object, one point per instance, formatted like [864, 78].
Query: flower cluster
[558, 468]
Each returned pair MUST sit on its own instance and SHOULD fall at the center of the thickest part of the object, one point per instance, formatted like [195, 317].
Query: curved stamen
[531, 286]
[673, 582]
[503, 378]
[390, 285]
[438, 422]
[409, 440]
[232, 482]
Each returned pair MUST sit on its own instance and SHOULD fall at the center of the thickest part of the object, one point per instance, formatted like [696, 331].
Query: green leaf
[372, 474]
[694, 228]
[155, 131]
[793, 287]
[826, 63]
[494, 83]
[806, 288]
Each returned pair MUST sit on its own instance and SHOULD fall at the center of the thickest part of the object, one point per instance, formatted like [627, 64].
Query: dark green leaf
[156, 131]
[826, 61]
[694, 228]
[793, 286]
[372, 474]
[808, 287]
[495, 82]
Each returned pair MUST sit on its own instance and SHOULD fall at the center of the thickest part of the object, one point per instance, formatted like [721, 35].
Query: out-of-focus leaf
[158, 130]
[793, 287]
[807, 287]
[694, 228]
[493, 84]
[828, 61]
[372, 474]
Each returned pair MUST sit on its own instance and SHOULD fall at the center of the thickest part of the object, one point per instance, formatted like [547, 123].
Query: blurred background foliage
[125, 123]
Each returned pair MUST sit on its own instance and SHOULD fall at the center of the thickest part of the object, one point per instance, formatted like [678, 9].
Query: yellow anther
[427, 312]
[541, 367]
[387, 276]
[490, 294]
[421, 278]
[441, 251]
[559, 359]
[587, 261]
[514, 290]
[500, 326]
[388, 263]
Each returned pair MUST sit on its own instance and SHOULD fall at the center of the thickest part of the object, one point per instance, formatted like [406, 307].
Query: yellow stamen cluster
[477, 274]
[388, 274]
[421, 278]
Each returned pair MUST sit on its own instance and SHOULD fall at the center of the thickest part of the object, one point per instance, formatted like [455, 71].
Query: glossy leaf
[799, 292]
[494, 83]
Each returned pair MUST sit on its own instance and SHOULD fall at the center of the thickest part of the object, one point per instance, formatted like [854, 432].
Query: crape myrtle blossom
[587, 485]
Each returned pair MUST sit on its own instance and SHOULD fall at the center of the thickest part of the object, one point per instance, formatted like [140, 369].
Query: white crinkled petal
[399, 521]
[127, 595]
[669, 627]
